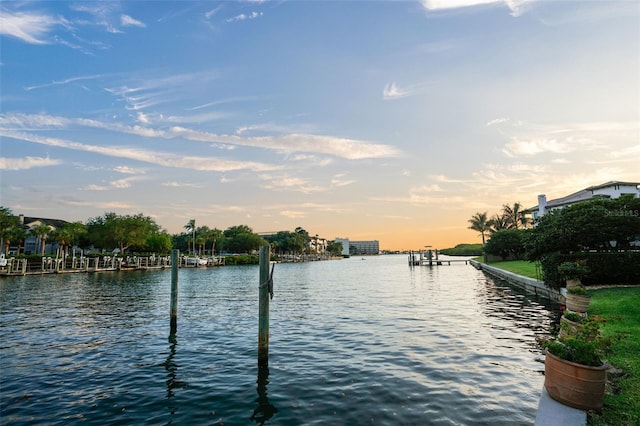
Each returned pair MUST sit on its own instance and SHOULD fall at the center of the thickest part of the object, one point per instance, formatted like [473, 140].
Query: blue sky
[387, 120]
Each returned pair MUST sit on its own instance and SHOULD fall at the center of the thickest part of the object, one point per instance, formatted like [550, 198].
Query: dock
[430, 258]
[105, 263]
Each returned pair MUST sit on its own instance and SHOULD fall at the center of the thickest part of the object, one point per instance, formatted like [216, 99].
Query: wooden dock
[428, 258]
[49, 265]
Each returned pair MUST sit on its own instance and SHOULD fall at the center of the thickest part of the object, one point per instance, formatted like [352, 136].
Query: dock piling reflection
[265, 409]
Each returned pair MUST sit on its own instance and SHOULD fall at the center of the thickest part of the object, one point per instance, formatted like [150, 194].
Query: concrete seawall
[530, 285]
[550, 412]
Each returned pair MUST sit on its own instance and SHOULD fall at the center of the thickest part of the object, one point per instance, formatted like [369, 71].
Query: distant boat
[195, 261]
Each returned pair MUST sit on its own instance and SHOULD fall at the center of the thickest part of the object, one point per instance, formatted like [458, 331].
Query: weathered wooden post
[173, 321]
[265, 291]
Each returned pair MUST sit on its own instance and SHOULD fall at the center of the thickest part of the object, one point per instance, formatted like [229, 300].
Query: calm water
[352, 342]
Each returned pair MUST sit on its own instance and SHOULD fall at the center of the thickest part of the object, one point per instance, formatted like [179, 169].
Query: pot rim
[604, 365]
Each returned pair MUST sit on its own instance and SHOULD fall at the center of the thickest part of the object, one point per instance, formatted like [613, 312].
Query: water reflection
[265, 409]
[172, 373]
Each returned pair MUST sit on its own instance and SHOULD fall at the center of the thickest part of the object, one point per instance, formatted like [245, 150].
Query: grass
[520, 267]
[620, 307]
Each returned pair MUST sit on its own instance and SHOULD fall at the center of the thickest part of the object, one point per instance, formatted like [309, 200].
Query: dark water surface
[352, 342]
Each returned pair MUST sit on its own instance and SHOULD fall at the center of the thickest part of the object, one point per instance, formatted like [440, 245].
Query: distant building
[318, 245]
[606, 190]
[358, 247]
[33, 244]
[345, 245]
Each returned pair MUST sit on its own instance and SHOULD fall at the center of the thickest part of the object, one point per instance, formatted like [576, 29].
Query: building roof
[32, 221]
[582, 195]
[612, 183]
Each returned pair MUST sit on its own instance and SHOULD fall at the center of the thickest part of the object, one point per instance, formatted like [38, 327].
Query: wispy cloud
[536, 146]
[497, 121]
[128, 21]
[128, 170]
[144, 92]
[108, 206]
[392, 91]
[212, 12]
[350, 149]
[289, 183]
[114, 184]
[526, 139]
[29, 27]
[104, 14]
[291, 214]
[340, 180]
[154, 157]
[517, 7]
[27, 163]
[244, 17]
[63, 82]
[174, 184]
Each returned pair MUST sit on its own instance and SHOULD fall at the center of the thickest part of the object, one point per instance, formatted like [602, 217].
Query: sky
[393, 121]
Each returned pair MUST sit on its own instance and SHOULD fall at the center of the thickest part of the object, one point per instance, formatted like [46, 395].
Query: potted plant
[577, 299]
[572, 323]
[575, 373]
[572, 273]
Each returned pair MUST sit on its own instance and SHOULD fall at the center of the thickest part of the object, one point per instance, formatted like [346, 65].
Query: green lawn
[520, 267]
[620, 307]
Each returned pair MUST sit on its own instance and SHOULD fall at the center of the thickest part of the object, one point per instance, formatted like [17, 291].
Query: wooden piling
[264, 287]
[173, 321]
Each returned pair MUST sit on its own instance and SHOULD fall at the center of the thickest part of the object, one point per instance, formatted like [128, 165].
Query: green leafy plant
[585, 327]
[576, 350]
[572, 270]
[583, 346]
[578, 291]
[573, 316]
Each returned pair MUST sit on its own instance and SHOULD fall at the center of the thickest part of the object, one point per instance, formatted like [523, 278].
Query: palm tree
[480, 223]
[499, 222]
[68, 236]
[214, 237]
[63, 237]
[8, 222]
[42, 231]
[17, 235]
[191, 227]
[515, 215]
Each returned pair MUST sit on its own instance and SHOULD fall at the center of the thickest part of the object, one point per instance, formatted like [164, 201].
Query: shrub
[572, 270]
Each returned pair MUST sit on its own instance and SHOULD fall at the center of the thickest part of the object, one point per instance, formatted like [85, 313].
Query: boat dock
[80, 264]
[430, 258]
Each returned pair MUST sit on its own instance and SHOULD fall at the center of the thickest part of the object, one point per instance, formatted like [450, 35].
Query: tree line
[141, 234]
[603, 232]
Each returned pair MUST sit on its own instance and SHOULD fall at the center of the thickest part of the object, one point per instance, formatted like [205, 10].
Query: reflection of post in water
[265, 409]
[172, 371]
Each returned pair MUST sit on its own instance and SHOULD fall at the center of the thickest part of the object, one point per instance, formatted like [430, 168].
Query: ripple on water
[352, 342]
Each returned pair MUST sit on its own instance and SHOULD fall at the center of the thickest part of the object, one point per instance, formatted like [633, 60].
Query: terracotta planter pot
[578, 386]
[577, 302]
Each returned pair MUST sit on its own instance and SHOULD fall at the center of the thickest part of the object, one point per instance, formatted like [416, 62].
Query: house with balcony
[613, 189]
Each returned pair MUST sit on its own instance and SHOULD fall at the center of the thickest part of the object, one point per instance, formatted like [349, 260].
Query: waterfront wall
[530, 285]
